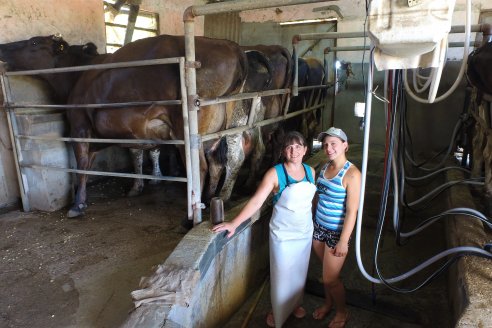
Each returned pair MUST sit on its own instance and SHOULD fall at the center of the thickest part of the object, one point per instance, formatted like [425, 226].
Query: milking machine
[400, 41]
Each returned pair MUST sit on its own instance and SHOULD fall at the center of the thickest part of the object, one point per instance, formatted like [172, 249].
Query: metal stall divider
[11, 106]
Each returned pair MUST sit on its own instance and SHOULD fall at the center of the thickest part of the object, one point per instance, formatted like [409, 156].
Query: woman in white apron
[291, 227]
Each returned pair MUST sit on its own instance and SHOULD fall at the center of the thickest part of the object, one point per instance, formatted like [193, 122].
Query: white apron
[291, 235]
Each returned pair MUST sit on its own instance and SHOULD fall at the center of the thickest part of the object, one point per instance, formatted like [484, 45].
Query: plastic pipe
[462, 69]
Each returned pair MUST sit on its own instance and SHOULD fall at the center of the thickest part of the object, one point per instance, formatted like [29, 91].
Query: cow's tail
[288, 73]
[289, 77]
[243, 74]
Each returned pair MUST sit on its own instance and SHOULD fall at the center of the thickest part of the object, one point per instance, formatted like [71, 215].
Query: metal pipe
[240, 5]
[111, 174]
[242, 96]
[107, 105]
[135, 63]
[13, 130]
[360, 48]
[241, 129]
[186, 132]
[349, 35]
[194, 137]
[96, 140]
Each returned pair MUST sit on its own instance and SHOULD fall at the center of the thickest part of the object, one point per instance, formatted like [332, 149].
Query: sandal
[321, 312]
[299, 312]
[270, 320]
[339, 323]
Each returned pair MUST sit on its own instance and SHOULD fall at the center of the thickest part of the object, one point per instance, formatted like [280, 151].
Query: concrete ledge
[206, 278]
[470, 278]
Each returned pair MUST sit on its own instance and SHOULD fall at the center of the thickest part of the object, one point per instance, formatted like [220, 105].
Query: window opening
[146, 25]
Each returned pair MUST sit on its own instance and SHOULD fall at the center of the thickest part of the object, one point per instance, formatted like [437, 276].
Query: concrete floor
[59, 272]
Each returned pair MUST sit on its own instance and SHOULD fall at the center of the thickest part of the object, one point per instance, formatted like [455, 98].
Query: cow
[478, 70]
[223, 71]
[42, 52]
[310, 73]
[233, 150]
[479, 75]
[272, 135]
[52, 51]
[229, 152]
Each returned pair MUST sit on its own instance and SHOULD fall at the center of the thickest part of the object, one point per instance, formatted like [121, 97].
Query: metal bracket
[199, 205]
[193, 99]
[193, 64]
[195, 141]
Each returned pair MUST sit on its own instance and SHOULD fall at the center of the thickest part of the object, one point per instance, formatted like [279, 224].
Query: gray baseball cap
[334, 132]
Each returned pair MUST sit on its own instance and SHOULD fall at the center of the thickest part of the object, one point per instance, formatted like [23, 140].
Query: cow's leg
[235, 160]
[84, 160]
[216, 158]
[137, 160]
[256, 159]
[154, 155]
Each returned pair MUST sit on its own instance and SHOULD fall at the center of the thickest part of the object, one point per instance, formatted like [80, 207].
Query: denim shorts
[330, 237]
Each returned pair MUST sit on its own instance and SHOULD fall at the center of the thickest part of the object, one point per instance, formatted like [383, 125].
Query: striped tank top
[332, 202]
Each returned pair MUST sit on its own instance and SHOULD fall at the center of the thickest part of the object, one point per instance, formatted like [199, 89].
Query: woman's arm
[267, 185]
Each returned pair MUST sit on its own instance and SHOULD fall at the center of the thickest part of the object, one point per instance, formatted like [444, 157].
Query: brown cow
[223, 71]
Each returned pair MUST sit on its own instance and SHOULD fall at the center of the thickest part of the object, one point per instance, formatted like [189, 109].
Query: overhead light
[309, 21]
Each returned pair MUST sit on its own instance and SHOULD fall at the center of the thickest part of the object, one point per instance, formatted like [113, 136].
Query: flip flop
[339, 323]
[321, 312]
[299, 312]
[270, 320]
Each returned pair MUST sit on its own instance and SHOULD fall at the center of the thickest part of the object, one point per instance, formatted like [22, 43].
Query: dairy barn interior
[403, 79]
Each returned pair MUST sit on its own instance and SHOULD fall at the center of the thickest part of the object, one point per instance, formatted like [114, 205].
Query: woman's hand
[341, 249]
[229, 226]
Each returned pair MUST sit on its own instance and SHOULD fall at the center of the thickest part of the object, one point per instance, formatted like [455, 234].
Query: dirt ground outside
[59, 272]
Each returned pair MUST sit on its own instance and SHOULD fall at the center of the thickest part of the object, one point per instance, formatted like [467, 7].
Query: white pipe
[462, 69]
[365, 150]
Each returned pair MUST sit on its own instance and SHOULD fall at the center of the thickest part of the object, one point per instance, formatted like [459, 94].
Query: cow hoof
[76, 211]
[134, 192]
[154, 182]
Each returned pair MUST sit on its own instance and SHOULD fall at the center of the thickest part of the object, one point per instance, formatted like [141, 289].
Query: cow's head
[36, 53]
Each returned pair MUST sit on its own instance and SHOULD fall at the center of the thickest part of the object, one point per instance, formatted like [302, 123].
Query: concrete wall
[78, 21]
[171, 15]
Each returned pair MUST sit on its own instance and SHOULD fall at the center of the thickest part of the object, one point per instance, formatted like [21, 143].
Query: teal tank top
[284, 179]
